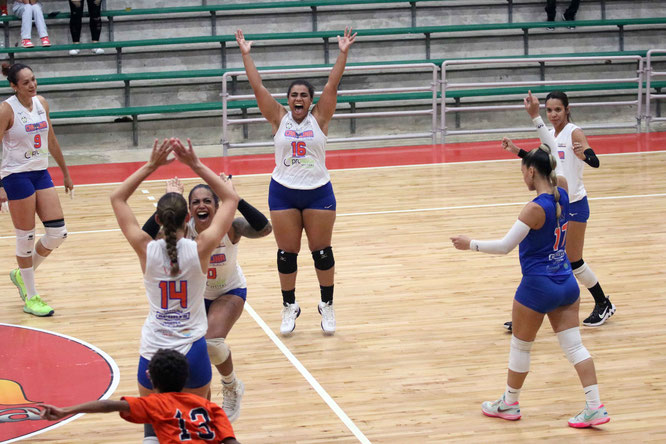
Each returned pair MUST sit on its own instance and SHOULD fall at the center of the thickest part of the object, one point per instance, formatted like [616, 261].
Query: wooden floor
[419, 342]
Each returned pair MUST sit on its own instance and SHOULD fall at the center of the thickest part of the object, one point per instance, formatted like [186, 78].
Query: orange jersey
[180, 417]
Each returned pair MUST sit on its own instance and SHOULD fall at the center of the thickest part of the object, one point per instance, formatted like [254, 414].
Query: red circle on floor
[39, 366]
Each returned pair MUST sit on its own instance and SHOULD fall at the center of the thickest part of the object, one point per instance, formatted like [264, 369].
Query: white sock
[36, 259]
[511, 395]
[150, 440]
[28, 275]
[592, 396]
[230, 378]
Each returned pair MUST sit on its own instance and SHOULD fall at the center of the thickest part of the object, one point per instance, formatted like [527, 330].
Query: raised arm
[325, 107]
[252, 225]
[55, 151]
[53, 413]
[269, 107]
[210, 238]
[127, 222]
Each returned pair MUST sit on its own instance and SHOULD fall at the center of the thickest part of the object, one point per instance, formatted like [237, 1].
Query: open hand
[158, 156]
[347, 40]
[183, 154]
[242, 44]
[174, 186]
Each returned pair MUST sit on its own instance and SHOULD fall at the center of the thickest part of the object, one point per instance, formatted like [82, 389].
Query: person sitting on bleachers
[26, 10]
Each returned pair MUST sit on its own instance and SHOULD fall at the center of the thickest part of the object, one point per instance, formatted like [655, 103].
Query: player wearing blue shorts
[573, 153]
[27, 139]
[547, 288]
[175, 267]
[300, 196]
[226, 287]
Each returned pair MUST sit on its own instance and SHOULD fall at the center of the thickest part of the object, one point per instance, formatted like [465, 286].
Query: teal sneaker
[500, 409]
[590, 417]
[17, 279]
[37, 307]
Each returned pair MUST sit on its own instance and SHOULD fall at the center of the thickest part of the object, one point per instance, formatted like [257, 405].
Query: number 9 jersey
[26, 144]
[300, 154]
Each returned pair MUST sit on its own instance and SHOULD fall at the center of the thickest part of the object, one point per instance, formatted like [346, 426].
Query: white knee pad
[54, 237]
[572, 345]
[218, 351]
[519, 355]
[25, 242]
[585, 276]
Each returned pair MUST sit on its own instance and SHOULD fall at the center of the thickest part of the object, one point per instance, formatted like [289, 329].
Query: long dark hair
[171, 212]
[562, 97]
[303, 82]
[203, 185]
[11, 71]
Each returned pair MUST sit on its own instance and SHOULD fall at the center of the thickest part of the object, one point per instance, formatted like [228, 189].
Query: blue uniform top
[542, 251]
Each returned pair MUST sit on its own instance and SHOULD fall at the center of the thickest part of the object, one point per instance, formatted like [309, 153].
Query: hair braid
[553, 180]
[171, 211]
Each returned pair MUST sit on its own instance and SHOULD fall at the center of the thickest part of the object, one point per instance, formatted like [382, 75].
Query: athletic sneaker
[600, 314]
[231, 399]
[97, 51]
[509, 326]
[17, 279]
[590, 417]
[289, 314]
[500, 409]
[26, 43]
[74, 51]
[327, 317]
[46, 41]
[37, 307]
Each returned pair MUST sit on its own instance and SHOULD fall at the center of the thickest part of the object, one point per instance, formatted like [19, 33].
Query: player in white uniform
[27, 139]
[300, 194]
[226, 287]
[175, 267]
[573, 152]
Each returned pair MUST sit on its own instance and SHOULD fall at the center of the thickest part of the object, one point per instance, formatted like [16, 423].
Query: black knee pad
[323, 259]
[577, 264]
[287, 262]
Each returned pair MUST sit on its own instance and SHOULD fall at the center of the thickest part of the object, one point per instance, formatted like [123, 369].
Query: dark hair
[305, 83]
[171, 212]
[168, 371]
[543, 160]
[203, 185]
[11, 71]
[562, 97]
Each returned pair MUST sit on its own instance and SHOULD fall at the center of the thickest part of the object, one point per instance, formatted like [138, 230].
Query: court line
[412, 210]
[307, 375]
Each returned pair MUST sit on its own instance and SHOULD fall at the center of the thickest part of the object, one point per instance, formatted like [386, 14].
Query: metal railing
[448, 86]
[432, 110]
[649, 96]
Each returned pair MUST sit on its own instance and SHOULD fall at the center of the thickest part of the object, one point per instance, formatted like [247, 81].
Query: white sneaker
[97, 51]
[231, 399]
[74, 51]
[327, 317]
[289, 314]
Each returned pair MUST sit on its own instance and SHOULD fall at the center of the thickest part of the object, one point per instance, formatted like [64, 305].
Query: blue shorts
[545, 293]
[197, 358]
[579, 211]
[240, 292]
[283, 198]
[22, 185]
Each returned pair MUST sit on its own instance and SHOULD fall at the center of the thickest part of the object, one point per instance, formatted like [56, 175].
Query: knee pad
[287, 262]
[323, 259]
[572, 345]
[56, 233]
[519, 355]
[218, 351]
[25, 242]
[584, 274]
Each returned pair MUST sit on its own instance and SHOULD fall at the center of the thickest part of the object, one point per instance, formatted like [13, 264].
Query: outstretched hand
[183, 154]
[531, 105]
[159, 155]
[174, 186]
[347, 40]
[508, 145]
[461, 242]
[51, 413]
[242, 43]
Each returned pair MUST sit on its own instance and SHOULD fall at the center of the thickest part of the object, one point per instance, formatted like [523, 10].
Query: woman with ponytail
[174, 268]
[547, 288]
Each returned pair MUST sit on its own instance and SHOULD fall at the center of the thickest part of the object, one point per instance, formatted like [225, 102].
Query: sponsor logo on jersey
[292, 134]
[32, 127]
[23, 117]
[560, 154]
[33, 153]
[305, 162]
[218, 258]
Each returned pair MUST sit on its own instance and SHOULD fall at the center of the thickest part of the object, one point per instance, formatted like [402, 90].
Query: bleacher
[175, 74]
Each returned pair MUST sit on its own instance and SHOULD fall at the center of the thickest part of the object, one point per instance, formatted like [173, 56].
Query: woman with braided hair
[547, 288]
[174, 268]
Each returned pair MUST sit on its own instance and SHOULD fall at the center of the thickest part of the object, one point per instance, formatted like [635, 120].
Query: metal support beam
[213, 23]
[135, 130]
[352, 122]
[526, 42]
[314, 18]
[658, 104]
[457, 100]
[110, 29]
[510, 11]
[245, 128]
[603, 10]
[6, 26]
[119, 60]
[413, 9]
[326, 51]
[127, 93]
[234, 85]
[427, 45]
[223, 55]
[542, 69]
[621, 27]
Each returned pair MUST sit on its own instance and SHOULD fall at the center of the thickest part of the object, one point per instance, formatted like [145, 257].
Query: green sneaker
[590, 417]
[17, 279]
[37, 307]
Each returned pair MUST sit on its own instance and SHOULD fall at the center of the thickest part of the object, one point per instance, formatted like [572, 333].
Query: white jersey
[300, 154]
[224, 272]
[25, 146]
[572, 166]
[177, 316]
